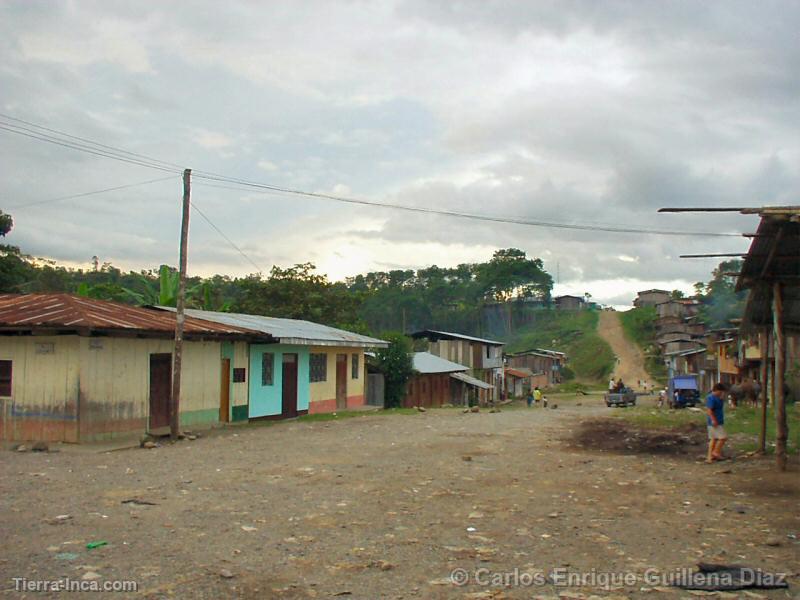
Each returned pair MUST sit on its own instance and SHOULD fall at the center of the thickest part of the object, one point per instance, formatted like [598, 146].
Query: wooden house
[437, 381]
[567, 302]
[545, 365]
[75, 369]
[483, 358]
[651, 298]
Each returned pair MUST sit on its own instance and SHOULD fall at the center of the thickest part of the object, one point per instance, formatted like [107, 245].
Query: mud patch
[612, 435]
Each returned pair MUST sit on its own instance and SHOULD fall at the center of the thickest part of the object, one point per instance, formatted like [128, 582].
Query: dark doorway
[341, 381]
[225, 391]
[160, 389]
[289, 376]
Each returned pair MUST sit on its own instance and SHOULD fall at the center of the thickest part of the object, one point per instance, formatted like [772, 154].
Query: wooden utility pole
[180, 317]
[763, 344]
[781, 433]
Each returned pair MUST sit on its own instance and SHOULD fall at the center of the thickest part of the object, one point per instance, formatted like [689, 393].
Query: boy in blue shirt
[715, 409]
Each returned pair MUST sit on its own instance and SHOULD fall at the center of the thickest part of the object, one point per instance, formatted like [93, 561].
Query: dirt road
[630, 360]
[388, 506]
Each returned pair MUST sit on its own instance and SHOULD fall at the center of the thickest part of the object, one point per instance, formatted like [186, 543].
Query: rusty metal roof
[69, 312]
[774, 257]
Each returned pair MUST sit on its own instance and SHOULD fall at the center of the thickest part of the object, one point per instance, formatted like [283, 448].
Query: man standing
[715, 409]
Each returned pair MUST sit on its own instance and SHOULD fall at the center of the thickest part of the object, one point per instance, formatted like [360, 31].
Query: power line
[266, 188]
[88, 141]
[106, 151]
[111, 189]
[81, 148]
[226, 238]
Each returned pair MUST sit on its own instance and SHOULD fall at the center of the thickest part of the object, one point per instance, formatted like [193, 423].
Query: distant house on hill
[651, 298]
[569, 302]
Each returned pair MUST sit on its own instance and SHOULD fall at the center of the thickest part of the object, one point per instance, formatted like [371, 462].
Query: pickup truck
[627, 397]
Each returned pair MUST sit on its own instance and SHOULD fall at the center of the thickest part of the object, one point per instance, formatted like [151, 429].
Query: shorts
[717, 433]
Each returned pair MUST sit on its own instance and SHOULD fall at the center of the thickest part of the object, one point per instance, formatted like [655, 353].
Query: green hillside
[573, 332]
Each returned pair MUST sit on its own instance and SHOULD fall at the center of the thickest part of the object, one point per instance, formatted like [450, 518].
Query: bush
[397, 366]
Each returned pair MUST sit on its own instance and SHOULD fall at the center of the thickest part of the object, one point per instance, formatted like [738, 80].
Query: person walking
[715, 419]
[537, 395]
[529, 398]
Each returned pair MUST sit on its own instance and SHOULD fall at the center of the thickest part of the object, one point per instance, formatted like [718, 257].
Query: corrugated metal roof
[66, 311]
[519, 372]
[288, 331]
[425, 362]
[459, 336]
[471, 381]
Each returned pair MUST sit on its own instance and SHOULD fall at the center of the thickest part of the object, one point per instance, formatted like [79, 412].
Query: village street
[388, 506]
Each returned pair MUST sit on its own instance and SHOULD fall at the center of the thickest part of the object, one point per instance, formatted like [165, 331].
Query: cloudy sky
[589, 113]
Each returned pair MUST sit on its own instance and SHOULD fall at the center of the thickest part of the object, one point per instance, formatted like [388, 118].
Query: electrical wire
[226, 238]
[111, 189]
[106, 151]
[266, 188]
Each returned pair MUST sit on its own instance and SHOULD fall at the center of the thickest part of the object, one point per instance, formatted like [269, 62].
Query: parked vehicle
[627, 397]
[683, 391]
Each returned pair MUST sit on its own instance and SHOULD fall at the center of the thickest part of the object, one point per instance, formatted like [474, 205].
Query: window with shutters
[267, 368]
[318, 367]
[5, 378]
[239, 375]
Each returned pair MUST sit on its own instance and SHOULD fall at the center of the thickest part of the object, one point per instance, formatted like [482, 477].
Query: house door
[160, 389]
[289, 394]
[225, 391]
[341, 381]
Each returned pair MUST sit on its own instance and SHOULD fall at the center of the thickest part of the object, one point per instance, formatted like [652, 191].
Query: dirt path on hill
[630, 360]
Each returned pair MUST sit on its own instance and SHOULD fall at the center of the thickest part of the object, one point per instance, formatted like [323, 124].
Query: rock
[146, 438]
[191, 437]
[422, 409]
[226, 574]
[475, 409]
[774, 541]
[494, 410]
[383, 565]
[248, 528]
[149, 445]
[91, 576]
[40, 447]
[21, 448]
[466, 410]
[466, 458]
[554, 406]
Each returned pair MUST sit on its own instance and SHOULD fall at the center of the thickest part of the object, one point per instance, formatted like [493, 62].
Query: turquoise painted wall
[266, 400]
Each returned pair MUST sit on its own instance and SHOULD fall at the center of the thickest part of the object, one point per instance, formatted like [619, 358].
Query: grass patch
[574, 332]
[639, 325]
[743, 420]
[349, 414]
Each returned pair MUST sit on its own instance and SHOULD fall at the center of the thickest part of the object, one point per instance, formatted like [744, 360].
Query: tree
[511, 273]
[397, 366]
[721, 301]
[6, 224]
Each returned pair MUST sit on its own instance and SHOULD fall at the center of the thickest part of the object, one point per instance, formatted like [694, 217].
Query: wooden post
[763, 343]
[781, 433]
[180, 317]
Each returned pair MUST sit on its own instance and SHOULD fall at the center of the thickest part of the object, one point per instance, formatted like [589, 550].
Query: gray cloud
[575, 112]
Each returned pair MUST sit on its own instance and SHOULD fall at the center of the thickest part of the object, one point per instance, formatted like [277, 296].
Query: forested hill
[463, 298]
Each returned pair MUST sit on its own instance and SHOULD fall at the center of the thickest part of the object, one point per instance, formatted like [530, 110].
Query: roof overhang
[472, 381]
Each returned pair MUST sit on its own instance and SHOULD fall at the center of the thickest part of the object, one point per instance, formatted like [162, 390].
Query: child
[544, 401]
